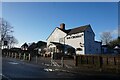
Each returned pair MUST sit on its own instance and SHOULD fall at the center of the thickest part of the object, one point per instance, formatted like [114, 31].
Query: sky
[34, 21]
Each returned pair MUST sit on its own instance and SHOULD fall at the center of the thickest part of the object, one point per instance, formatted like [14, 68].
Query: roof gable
[54, 31]
[74, 30]
[25, 45]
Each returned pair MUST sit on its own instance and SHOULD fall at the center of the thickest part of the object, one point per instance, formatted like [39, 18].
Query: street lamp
[117, 48]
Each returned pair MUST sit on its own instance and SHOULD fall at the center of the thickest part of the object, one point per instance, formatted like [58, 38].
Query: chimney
[62, 26]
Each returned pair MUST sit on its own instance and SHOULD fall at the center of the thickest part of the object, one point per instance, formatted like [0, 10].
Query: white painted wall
[87, 41]
[55, 36]
[75, 42]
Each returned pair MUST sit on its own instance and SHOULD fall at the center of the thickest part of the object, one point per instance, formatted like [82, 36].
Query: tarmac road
[19, 70]
[14, 69]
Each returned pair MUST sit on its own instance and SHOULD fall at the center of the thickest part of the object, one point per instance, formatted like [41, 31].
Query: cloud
[114, 32]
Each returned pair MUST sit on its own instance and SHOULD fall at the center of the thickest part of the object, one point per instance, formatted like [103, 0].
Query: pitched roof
[66, 31]
[25, 45]
[78, 29]
[32, 46]
[74, 30]
[57, 44]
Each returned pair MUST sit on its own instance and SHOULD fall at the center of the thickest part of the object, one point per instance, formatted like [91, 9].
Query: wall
[89, 41]
[75, 42]
[55, 36]
[97, 47]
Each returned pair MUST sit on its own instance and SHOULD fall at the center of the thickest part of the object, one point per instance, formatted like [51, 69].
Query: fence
[99, 61]
[17, 54]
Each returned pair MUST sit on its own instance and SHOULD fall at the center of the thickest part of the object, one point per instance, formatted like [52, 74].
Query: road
[15, 69]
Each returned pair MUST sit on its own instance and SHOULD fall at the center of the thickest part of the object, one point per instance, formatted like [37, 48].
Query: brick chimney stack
[62, 26]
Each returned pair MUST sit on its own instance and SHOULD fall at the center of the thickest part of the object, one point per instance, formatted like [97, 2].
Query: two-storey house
[80, 40]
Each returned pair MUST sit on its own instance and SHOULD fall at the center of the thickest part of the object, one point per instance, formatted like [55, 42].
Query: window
[77, 36]
[53, 49]
[78, 49]
[61, 40]
[68, 37]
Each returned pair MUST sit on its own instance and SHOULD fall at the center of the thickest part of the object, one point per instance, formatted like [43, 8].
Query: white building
[77, 41]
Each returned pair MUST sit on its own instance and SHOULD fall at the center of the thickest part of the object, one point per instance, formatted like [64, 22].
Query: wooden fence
[99, 61]
[25, 55]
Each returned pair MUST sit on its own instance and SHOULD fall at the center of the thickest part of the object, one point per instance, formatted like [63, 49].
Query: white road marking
[13, 63]
[49, 70]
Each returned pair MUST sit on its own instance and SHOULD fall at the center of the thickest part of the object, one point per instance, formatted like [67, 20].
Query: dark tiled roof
[32, 46]
[98, 42]
[66, 31]
[74, 30]
[78, 29]
[56, 43]
[104, 45]
[24, 45]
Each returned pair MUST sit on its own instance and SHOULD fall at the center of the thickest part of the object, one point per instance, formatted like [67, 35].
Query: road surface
[19, 70]
[15, 69]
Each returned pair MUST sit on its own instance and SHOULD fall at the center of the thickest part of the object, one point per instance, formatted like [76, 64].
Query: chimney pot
[62, 26]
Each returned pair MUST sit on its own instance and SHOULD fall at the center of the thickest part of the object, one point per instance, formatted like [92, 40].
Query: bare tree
[11, 41]
[6, 31]
[106, 37]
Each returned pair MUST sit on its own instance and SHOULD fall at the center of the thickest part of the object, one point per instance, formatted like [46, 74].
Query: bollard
[24, 57]
[62, 62]
[75, 63]
[19, 55]
[5, 54]
[9, 54]
[36, 59]
[51, 58]
[12, 55]
[15, 55]
[29, 57]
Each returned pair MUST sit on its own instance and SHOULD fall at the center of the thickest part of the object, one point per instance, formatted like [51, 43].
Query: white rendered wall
[55, 36]
[75, 42]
